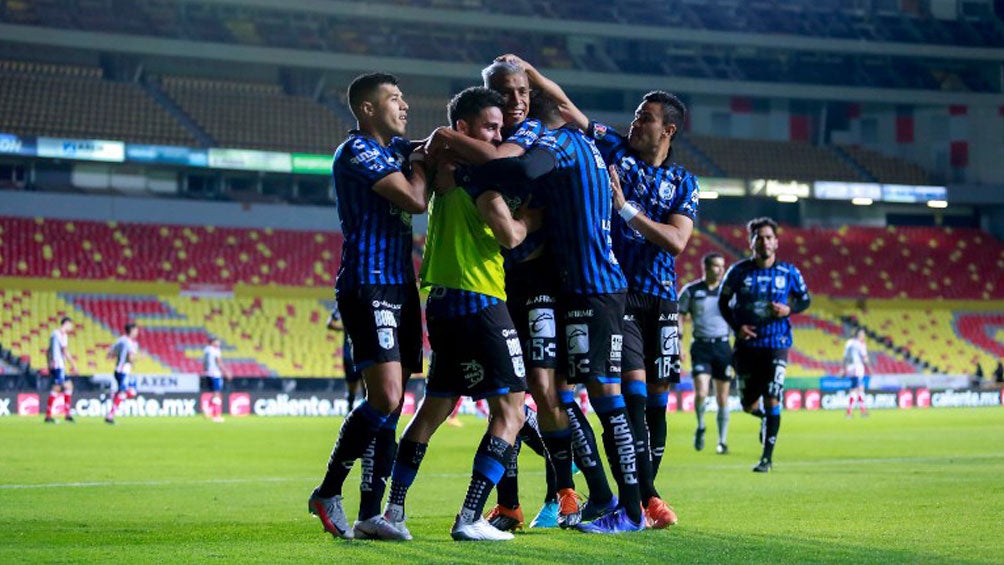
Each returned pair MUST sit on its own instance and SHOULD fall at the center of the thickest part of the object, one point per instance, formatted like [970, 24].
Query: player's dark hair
[755, 224]
[364, 87]
[544, 107]
[64, 320]
[129, 328]
[469, 102]
[499, 69]
[673, 110]
[708, 258]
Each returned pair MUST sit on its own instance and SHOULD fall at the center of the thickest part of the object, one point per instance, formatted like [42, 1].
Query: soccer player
[463, 270]
[710, 354]
[59, 357]
[757, 296]
[656, 210]
[214, 370]
[353, 377]
[376, 192]
[532, 287]
[856, 367]
[575, 187]
[124, 351]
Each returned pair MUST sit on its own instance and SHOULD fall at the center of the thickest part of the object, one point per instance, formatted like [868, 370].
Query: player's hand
[437, 142]
[747, 332]
[779, 310]
[515, 60]
[615, 188]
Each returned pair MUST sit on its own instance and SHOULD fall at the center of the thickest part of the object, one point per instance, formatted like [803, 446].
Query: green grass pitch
[920, 486]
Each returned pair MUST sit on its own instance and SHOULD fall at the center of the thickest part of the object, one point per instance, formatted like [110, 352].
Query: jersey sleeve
[527, 133]
[367, 159]
[606, 138]
[798, 286]
[687, 197]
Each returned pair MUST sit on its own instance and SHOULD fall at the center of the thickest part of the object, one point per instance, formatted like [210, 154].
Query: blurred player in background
[214, 370]
[124, 351]
[757, 296]
[856, 368]
[376, 192]
[710, 354]
[353, 378]
[59, 357]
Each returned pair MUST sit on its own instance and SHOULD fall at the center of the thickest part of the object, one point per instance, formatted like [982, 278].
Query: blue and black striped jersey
[577, 199]
[747, 293]
[453, 302]
[377, 244]
[525, 135]
[658, 192]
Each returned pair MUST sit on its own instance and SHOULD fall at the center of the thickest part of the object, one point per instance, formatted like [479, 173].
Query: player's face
[714, 269]
[515, 90]
[486, 126]
[764, 242]
[390, 111]
[133, 333]
[67, 327]
[647, 130]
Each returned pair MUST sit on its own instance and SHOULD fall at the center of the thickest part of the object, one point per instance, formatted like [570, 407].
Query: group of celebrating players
[549, 263]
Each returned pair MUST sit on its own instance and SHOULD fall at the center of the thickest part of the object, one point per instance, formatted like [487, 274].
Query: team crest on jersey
[599, 131]
[666, 190]
[385, 337]
[779, 282]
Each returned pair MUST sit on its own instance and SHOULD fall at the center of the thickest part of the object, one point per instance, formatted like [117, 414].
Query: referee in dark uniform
[758, 295]
[710, 354]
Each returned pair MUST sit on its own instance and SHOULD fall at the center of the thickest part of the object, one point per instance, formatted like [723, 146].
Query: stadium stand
[886, 169]
[756, 158]
[256, 115]
[891, 262]
[951, 339]
[73, 101]
[299, 30]
[141, 252]
[261, 336]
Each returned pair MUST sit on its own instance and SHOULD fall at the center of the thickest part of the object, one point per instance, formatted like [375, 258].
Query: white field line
[824, 463]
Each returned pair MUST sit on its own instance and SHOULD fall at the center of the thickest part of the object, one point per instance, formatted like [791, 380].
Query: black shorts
[712, 357]
[591, 327]
[652, 337]
[760, 373]
[531, 296]
[477, 355]
[385, 325]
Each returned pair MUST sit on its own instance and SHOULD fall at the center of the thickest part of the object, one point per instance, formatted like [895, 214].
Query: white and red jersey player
[58, 355]
[856, 368]
[124, 351]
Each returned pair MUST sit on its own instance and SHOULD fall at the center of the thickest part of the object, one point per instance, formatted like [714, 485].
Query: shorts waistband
[724, 339]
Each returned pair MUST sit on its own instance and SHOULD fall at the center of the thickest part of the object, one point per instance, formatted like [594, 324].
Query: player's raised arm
[671, 235]
[569, 111]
